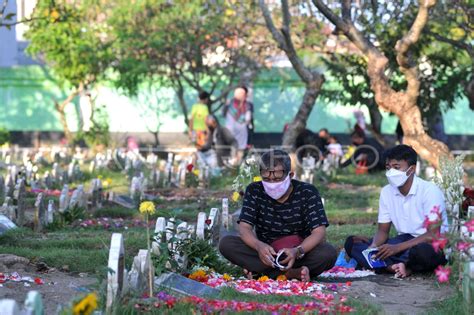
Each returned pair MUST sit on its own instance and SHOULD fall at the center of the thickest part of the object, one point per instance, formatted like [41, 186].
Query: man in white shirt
[405, 203]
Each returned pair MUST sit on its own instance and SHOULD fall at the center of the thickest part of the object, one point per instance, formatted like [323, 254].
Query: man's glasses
[277, 175]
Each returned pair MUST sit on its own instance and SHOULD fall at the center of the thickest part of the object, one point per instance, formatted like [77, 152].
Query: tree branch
[404, 60]
[284, 41]
[348, 28]
[346, 10]
[456, 43]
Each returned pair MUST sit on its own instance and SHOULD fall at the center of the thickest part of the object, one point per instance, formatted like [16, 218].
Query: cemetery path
[413, 295]
[58, 288]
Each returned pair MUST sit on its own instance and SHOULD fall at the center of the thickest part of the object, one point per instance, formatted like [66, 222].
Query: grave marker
[201, 226]
[64, 199]
[34, 303]
[116, 266]
[19, 201]
[184, 286]
[214, 225]
[6, 224]
[10, 307]
[160, 229]
[50, 215]
[41, 218]
[225, 213]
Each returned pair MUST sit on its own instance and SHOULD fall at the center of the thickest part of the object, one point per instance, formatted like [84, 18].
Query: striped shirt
[302, 212]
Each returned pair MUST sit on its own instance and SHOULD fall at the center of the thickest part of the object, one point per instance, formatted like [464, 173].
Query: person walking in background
[197, 121]
[221, 141]
[238, 115]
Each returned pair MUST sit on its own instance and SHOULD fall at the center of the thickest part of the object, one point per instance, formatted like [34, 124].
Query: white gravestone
[64, 199]
[201, 226]
[50, 211]
[214, 225]
[140, 271]
[116, 265]
[160, 229]
[182, 234]
[225, 213]
[41, 219]
[19, 201]
[170, 233]
[9, 186]
[10, 307]
[34, 303]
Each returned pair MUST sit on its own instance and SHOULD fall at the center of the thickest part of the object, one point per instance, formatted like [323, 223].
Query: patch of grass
[354, 207]
[337, 234]
[363, 308]
[116, 212]
[454, 304]
[348, 176]
[81, 250]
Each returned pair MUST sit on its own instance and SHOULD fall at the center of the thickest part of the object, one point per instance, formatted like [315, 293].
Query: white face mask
[277, 190]
[397, 178]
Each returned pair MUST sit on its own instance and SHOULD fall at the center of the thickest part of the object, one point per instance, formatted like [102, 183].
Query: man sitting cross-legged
[287, 215]
[405, 203]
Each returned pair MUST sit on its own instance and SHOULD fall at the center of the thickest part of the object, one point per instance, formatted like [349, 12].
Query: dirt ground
[413, 295]
[58, 288]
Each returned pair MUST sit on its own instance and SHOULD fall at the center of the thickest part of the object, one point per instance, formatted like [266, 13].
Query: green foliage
[182, 44]
[4, 135]
[71, 215]
[442, 68]
[98, 134]
[191, 180]
[72, 39]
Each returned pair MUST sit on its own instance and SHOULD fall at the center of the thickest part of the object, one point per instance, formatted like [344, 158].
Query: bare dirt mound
[57, 288]
[412, 295]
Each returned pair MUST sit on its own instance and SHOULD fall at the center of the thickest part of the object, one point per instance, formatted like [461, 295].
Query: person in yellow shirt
[197, 121]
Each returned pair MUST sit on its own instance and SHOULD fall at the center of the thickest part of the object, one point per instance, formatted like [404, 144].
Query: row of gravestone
[50, 179]
[120, 280]
[168, 174]
[33, 305]
[14, 208]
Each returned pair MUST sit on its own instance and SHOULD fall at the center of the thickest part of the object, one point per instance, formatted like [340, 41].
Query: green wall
[27, 93]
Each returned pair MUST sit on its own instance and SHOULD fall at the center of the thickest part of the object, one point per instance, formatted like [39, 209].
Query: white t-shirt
[407, 213]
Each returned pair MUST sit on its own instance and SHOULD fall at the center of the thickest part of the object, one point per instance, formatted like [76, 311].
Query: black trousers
[419, 258]
[321, 258]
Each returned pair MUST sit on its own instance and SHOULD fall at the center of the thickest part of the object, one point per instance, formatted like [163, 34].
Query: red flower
[463, 246]
[208, 221]
[39, 281]
[470, 225]
[439, 243]
[189, 167]
[443, 273]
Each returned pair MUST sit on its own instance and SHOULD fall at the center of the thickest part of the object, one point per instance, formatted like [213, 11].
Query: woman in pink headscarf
[238, 116]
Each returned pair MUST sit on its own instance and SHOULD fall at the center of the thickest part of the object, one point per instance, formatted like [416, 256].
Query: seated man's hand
[290, 257]
[266, 253]
[387, 250]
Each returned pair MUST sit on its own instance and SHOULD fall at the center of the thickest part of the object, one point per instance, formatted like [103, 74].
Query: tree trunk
[412, 124]
[312, 79]
[299, 122]
[60, 108]
[401, 103]
[469, 90]
[376, 122]
[182, 102]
